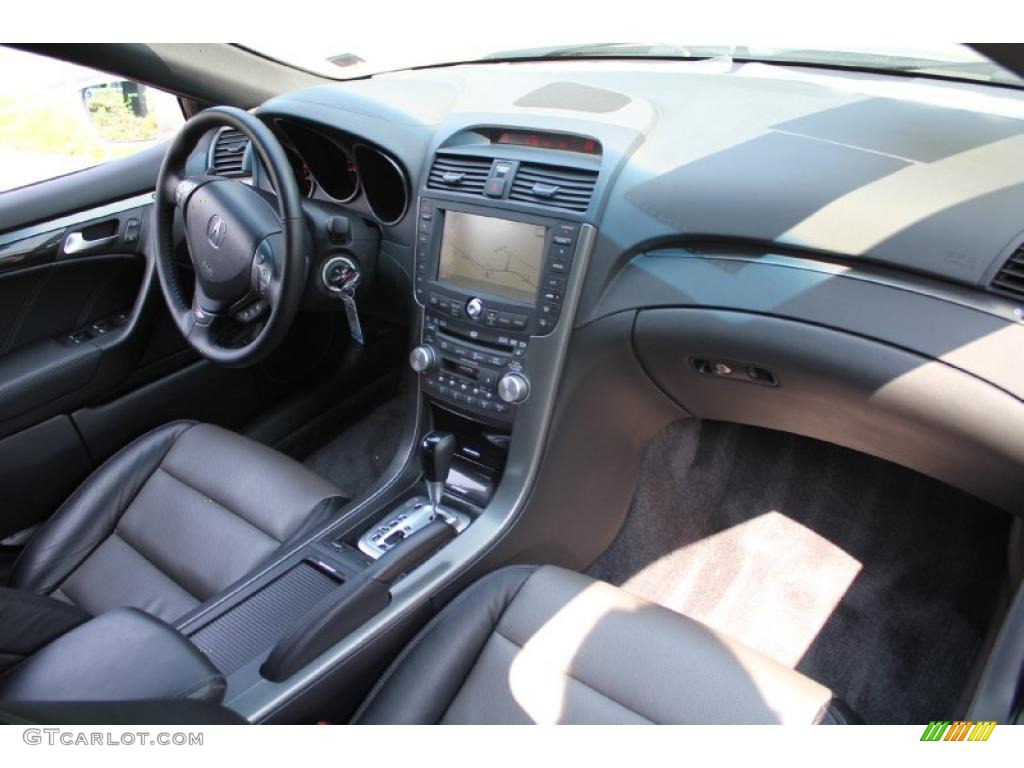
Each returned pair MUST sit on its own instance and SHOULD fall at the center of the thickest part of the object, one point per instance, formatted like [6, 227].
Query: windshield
[370, 57]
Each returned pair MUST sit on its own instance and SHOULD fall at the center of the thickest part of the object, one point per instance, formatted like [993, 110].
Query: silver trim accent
[409, 517]
[422, 358]
[76, 243]
[362, 178]
[513, 387]
[289, 143]
[81, 217]
[352, 267]
[435, 492]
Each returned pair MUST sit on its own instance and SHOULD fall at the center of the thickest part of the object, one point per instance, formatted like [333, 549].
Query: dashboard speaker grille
[228, 156]
[554, 186]
[459, 174]
[1009, 280]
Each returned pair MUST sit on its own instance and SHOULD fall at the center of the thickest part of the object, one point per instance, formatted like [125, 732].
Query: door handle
[76, 243]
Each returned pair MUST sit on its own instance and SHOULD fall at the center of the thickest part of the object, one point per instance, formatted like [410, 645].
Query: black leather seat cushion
[29, 621]
[124, 654]
[546, 645]
[170, 521]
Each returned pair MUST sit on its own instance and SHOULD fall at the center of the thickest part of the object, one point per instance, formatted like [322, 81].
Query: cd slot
[451, 366]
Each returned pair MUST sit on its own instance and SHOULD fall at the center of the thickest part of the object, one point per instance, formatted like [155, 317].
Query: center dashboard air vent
[554, 186]
[1009, 280]
[459, 173]
[227, 157]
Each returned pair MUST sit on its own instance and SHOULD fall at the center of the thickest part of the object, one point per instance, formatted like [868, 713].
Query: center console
[489, 280]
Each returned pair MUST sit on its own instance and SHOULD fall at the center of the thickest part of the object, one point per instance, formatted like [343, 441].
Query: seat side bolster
[92, 512]
[422, 682]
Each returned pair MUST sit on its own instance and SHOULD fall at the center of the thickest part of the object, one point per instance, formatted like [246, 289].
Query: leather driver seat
[167, 523]
[547, 645]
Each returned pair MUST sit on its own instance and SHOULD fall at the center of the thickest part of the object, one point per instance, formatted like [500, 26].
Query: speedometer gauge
[303, 176]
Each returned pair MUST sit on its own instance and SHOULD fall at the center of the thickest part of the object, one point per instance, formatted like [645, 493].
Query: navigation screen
[496, 256]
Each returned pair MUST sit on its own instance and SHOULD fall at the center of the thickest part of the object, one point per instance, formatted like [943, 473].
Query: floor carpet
[874, 580]
[357, 458]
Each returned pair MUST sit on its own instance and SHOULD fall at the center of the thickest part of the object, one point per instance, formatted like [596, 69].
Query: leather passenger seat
[547, 645]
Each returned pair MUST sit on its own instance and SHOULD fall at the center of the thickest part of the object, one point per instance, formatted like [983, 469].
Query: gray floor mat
[356, 458]
[865, 576]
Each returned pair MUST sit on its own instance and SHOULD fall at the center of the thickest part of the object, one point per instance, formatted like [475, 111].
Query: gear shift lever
[436, 453]
[413, 514]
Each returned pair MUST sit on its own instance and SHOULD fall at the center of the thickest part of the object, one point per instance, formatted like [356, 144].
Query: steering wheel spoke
[250, 261]
[206, 331]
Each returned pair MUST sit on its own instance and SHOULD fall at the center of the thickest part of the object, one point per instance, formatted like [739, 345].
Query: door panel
[71, 322]
[39, 467]
[49, 301]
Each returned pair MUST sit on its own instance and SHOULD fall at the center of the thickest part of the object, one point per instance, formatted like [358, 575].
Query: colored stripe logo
[959, 730]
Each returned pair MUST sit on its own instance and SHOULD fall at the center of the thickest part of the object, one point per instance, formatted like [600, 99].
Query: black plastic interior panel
[48, 301]
[39, 467]
[201, 391]
[843, 389]
[752, 204]
[39, 373]
[254, 625]
[607, 412]
[966, 329]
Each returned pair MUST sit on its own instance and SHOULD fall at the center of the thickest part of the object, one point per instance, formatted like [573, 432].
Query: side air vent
[228, 156]
[1010, 279]
[458, 173]
[555, 187]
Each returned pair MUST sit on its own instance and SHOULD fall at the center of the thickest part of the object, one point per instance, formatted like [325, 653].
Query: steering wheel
[250, 257]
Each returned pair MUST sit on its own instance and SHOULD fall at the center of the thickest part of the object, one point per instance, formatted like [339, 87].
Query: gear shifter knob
[436, 453]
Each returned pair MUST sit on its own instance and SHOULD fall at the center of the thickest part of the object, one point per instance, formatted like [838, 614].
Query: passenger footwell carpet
[872, 579]
[356, 458]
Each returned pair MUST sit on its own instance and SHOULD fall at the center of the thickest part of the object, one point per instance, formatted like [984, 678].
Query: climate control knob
[422, 359]
[513, 388]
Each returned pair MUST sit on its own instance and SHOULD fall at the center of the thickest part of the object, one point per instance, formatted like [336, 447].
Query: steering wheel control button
[262, 279]
[474, 308]
[251, 312]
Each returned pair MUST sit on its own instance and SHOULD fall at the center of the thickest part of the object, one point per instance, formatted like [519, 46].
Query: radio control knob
[422, 358]
[474, 308]
[513, 388]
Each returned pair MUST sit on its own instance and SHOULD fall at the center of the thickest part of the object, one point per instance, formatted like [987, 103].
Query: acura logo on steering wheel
[215, 229]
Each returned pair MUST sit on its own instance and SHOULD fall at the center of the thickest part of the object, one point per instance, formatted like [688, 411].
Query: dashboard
[749, 220]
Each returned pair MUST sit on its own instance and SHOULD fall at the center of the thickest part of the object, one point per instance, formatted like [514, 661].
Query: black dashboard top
[917, 175]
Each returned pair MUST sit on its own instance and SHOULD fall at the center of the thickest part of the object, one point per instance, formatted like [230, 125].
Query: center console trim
[260, 700]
